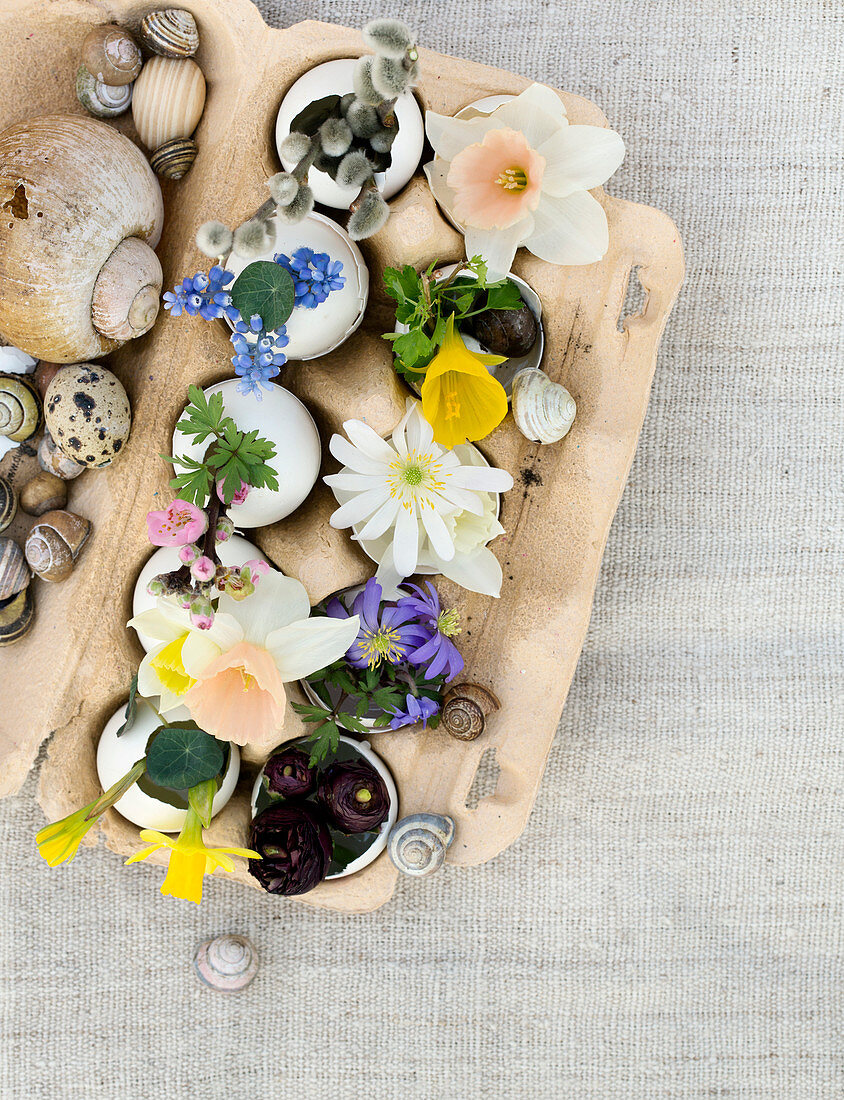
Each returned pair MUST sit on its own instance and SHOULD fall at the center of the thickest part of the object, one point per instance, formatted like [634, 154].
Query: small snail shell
[53, 459]
[17, 615]
[43, 493]
[102, 100]
[174, 158]
[20, 408]
[110, 54]
[8, 503]
[417, 844]
[53, 544]
[168, 100]
[465, 710]
[226, 963]
[543, 410]
[14, 572]
[170, 33]
[127, 291]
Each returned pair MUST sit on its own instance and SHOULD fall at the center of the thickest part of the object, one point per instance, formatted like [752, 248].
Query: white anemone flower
[521, 176]
[409, 494]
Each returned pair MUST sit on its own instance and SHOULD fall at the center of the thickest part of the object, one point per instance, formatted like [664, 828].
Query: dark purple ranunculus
[387, 632]
[288, 774]
[354, 796]
[295, 845]
[438, 652]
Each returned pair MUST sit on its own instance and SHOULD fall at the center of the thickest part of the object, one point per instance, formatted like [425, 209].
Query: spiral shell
[102, 100]
[465, 710]
[43, 493]
[53, 459]
[53, 544]
[174, 158]
[226, 963]
[17, 615]
[417, 844]
[20, 408]
[111, 55]
[543, 410]
[14, 572]
[168, 101]
[170, 33]
[8, 503]
[127, 292]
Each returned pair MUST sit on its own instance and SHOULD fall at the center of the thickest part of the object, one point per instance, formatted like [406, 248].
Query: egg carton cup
[67, 677]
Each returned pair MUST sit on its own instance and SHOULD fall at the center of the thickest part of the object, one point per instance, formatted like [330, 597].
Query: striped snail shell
[102, 100]
[8, 503]
[226, 963]
[20, 408]
[170, 33]
[14, 572]
[53, 459]
[174, 158]
[465, 710]
[17, 615]
[417, 844]
[53, 544]
[543, 410]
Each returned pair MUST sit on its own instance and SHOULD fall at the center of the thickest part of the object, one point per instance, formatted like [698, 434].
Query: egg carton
[72, 671]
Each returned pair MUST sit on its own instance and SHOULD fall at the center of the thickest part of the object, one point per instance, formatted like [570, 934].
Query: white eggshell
[283, 419]
[313, 332]
[116, 755]
[335, 78]
[234, 552]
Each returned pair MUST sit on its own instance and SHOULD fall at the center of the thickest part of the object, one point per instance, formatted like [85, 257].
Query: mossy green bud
[389, 37]
[336, 137]
[214, 239]
[295, 146]
[354, 170]
[370, 216]
[363, 85]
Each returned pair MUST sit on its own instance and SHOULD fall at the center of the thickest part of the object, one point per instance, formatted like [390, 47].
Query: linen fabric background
[670, 923]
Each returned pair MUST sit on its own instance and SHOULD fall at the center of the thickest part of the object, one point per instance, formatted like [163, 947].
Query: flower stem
[117, 790]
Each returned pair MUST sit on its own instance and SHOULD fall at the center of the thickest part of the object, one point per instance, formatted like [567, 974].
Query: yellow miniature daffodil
[460, 398]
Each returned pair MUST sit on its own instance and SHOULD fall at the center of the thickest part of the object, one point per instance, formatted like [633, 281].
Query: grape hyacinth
[203, 295]
[258, 354]
[315, 275]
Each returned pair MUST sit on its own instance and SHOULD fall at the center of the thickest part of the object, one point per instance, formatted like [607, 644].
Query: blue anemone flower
[439, 653]
[387, 632]
[416, 709]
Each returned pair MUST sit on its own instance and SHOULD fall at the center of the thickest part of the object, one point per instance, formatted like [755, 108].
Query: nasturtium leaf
[266, 289]
[131, 707]
[181, 755]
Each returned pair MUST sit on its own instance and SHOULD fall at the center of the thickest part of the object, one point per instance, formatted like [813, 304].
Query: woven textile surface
[670, 923]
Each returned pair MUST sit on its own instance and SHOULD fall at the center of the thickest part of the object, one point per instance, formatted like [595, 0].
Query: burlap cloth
[670, 923]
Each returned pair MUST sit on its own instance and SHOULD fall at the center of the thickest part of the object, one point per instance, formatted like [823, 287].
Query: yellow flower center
[169, 668]
[513, 179]
[448, 622]
[380, 645]
[413, 475]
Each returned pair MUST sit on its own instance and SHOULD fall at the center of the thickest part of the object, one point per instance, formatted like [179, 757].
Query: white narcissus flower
[417, 504]
[521, 176]
[231, 677]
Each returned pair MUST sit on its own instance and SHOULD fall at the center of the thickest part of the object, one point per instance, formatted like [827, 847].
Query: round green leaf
[182, 755]
[265, 288]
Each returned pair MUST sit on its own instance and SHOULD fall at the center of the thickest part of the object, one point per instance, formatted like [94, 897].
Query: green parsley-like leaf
[323, 741]
[266, 289]
[181, 755]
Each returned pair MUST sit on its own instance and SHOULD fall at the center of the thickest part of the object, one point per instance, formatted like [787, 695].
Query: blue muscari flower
[315, 275]
[416, 709]
[258, 354]
[202, 295]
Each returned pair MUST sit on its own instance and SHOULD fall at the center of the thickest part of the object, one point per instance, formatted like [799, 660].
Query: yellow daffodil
[59, 842]
[460, 398]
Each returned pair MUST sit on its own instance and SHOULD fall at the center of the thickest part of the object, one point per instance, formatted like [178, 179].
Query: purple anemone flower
[387, 632]
[416, 709]
[438, 653]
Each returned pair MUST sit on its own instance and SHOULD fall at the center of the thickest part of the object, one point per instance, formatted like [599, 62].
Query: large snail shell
[132, 274]
[417, 844]
[20, 407]
[465, 710]
[14, 572]
[226, 963]
[17, 615]
[111, 55]
[102, 100]
[53, 459]
[43, 493]
[174, 158]
[8, 503]
[168, 100]
[54, 543]
[71, 189]
[170, 33]
[543, 410]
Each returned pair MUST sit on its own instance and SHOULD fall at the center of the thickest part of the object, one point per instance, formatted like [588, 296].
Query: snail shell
[17, 615]
[8, 503]
[102, 100]
[417, 844]
[53, 544]
[543, 410]
[53, 459]
[168, 101]
[43, 493]
[226, 963]
[71, 189]
[170, 33]
[174, 158]
[20, 408]
[131, 275]
[465, 710]
[111, 55]
[14, 572]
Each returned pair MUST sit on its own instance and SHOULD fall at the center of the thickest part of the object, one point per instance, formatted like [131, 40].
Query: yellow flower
[168, 666]
[460, 398]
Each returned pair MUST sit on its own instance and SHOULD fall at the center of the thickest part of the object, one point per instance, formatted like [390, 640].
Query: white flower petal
[488, 478]
[360, 506]
[478, 572]
[369, 441]
[387, 576]
[350, 456]
[200, 649]
[148, 683]
[497, 246]
[406, 542]
[276, 601]
[165, 622]
[462, 499]
[353, 483]
[383, 519]
[450, 136]
[572, 230]
[579, 158]
[438, 533]
[538, 113]
[437, 173]
[418, 432]
[303, 647]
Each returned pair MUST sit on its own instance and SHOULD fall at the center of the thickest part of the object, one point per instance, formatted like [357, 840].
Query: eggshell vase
[283, 419]
[116, 755]
[349, 750]
[234, 552]
[336, 78]
[315, 332]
